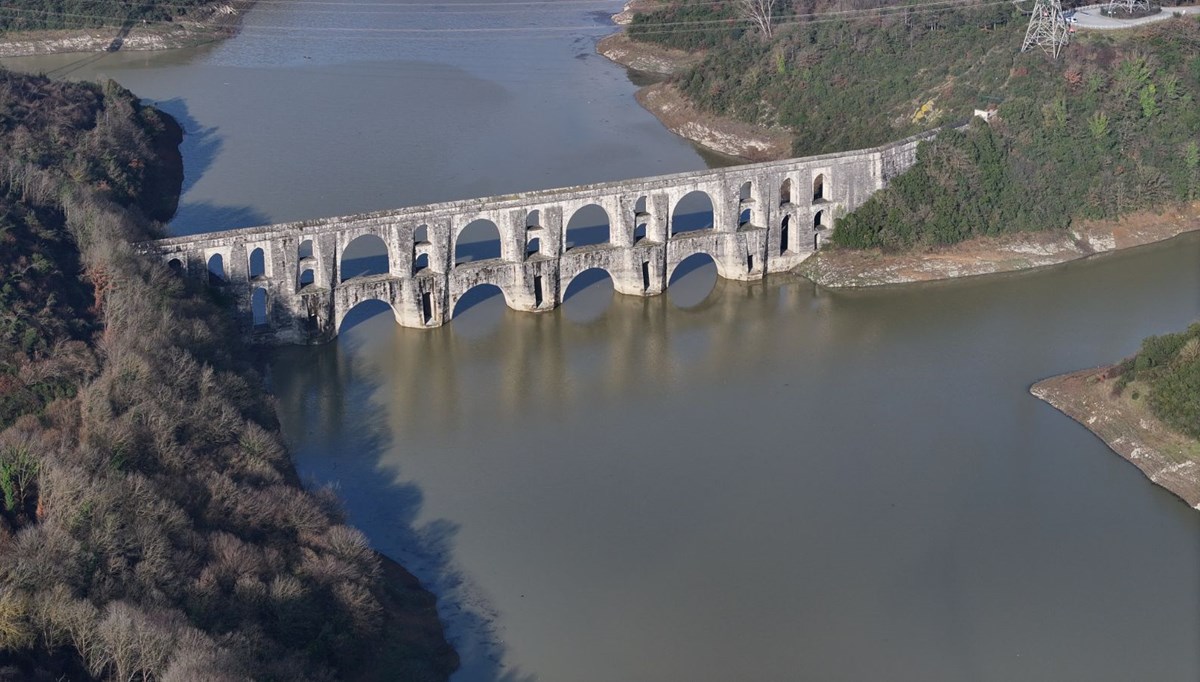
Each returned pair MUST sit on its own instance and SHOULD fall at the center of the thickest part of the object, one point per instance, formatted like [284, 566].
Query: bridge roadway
[287, 283]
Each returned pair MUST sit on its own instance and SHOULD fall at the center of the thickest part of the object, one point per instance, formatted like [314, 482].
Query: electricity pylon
[1047, 28]
[1128, 6]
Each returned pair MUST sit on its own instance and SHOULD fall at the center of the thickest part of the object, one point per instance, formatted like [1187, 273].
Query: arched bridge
[292, 283]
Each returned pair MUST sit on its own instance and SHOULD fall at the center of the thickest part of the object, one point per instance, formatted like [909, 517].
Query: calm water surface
[729, 482]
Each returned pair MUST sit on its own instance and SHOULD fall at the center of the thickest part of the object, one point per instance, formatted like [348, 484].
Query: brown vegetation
[152, 526]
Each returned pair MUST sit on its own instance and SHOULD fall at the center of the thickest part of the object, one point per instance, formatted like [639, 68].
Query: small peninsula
[1146, 408]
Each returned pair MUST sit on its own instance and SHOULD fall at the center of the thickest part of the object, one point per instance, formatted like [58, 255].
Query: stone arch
[590, 225]
[745, 201]
[533, 220]
[584, 278]
[675, 271]
[819, 188]
[361, 312]
[785, 192]
[588, 295]
[258, 263]
[475, 295]
[307, 278]
[216, 269]
[533, 247]
[681, 296]
[641, 219]
[784, 236]
[819, 220]
[421, 235]
[364, 256]
[693, 211]
[420, 263]
[260, 307]
[175, 265]
[478, 240]
[305, 250]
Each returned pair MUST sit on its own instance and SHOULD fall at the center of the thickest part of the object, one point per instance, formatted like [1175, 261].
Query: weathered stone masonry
[791, 204]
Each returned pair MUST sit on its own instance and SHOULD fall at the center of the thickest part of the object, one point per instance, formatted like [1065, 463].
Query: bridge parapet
[289, 281]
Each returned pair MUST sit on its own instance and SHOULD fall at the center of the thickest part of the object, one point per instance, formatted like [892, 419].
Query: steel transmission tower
[1047, 28]
[1128, 6]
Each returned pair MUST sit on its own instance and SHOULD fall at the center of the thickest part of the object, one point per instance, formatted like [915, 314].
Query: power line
[643, 28]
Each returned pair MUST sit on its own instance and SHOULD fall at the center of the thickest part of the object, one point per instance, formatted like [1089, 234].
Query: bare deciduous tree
[761, 12]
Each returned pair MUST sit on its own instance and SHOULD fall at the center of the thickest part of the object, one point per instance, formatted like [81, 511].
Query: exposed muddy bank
[847, 268]
[723, 135]
[1125, 423]
[214, 22]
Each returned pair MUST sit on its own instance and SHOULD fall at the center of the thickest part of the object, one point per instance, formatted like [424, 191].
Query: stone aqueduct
[766, 217]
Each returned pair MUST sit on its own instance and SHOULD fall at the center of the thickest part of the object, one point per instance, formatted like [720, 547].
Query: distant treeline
[1110, 127]
[1170, 366]
[151, 524]
[29, 15]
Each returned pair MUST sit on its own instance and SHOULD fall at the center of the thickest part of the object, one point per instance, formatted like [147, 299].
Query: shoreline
[727, 136]
[1169, 459]
[223, 20]
[836, 268]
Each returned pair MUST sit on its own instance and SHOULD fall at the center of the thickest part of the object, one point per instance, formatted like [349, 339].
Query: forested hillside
[151, 525]
[1111, 127]
[28, 15]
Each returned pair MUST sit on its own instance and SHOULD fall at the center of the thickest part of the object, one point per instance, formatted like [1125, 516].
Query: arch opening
[175, 265]
[258, 306]
[479, 311]
[534, 247]
[819, 188]
[589, 226]
[693, 280]
[744, 218]
[641, 220]
[693, 212]
[307, 278]
[745, 192]
[305, 250]
[478, 241]
[533, 219]
[590, 294]
[216, 269]
[784, 246]
[364, 256]
[420, 263]
[258, 263]
[421, 235]
[362, 312]
[818, 220]
[785, 192]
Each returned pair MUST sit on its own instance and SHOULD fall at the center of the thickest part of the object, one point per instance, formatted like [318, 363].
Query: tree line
[1111, 127]
[151, 524]
[32, 15]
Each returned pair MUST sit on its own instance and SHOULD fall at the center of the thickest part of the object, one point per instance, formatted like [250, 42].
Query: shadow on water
[200, 148]
[346, 442]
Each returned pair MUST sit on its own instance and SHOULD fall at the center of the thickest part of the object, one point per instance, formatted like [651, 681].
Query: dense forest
[1170, 366]
[1112, 126]
[28, 15]
[152, 526]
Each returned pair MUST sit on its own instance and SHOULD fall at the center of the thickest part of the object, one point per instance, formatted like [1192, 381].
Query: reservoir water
[732, 481]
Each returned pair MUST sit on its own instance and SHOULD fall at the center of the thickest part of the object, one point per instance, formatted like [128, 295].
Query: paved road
[1089, 17]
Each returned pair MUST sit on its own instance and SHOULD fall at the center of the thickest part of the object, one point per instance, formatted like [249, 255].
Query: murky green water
[729, 482]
